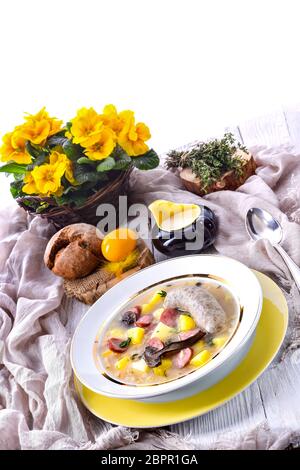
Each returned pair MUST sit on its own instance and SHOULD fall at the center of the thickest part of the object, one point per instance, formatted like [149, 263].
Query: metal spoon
[262, 225]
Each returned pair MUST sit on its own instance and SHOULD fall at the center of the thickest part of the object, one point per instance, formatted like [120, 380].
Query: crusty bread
[74, 251]
[228, 181]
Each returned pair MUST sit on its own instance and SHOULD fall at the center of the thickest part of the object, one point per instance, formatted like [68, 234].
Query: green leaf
[125, 343]
[85, 161]
[148, 161]
[57, 140]
[16, 188]
[13, 168]
[43, 206]
[34, 150]
[76, 198]
[19, 177]
[71, 188]
[73, 151]
[162, 293]
[37, 161]
[106, 165]
[85, 173]
[122, 162]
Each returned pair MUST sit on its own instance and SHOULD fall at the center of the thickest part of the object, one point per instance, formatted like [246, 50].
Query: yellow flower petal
[103, 147]
[57, 157]
[29, 186]
[143, 131]
[13, 148]
[38, 127]
[86, 127]
[47, 178]
[132, 137]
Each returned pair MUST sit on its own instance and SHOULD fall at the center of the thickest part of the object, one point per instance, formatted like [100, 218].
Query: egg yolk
[118, 244]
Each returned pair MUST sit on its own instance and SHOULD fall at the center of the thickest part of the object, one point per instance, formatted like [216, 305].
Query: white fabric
[38, 406]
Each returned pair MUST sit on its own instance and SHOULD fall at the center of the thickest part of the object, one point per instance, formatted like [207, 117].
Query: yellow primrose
[13, 148]
[61, 158]
[48, 178]
[29, 186]
[133, 136]
[43, 115]
[103, 147]
[86, 127]
[38, 127]
[111, 118]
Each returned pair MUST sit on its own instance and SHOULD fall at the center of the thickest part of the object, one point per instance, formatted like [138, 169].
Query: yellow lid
[171, 216]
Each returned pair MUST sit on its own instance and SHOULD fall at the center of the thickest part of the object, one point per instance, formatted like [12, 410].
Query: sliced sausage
[182, 358]
[153, 356]
[188, 334]
[155, 343]
[169, 317]
[114, 345]
[144, 320]
[131, 316]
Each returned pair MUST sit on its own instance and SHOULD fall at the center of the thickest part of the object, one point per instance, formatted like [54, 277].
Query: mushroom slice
[153, 355]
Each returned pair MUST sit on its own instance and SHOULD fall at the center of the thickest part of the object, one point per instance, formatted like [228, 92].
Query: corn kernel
[199, 346]
[186, 323]
[122, 363]
[202, 358]
[157, 297]
[146, 308]
[117, 333]
[219, 341]
[136, 334]
[107, 353]
[161, 369]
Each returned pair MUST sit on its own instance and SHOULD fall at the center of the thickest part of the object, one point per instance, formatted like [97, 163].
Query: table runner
[39, 408]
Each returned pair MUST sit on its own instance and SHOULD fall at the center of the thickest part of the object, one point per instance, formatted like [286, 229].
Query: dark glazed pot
[195, 238]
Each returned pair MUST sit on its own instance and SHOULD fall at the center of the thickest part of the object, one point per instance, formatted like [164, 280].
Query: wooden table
[273, 400]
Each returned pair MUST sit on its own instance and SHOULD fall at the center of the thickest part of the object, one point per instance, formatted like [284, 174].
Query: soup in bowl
[167, 331]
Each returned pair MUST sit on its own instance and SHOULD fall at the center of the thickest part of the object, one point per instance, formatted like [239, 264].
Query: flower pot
[60, 216]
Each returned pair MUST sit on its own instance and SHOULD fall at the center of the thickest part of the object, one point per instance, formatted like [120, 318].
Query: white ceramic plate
[237, 277]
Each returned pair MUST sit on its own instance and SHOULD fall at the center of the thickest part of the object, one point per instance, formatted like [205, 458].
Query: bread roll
[74, 251]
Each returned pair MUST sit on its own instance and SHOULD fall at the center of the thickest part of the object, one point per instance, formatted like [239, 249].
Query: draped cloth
[39, 408]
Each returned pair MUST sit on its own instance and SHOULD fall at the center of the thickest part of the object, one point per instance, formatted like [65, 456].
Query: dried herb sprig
[209, 160]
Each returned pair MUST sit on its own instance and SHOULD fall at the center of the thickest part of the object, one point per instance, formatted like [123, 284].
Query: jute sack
[88, 289]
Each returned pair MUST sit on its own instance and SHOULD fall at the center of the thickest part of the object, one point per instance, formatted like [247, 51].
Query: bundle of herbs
[203, 166]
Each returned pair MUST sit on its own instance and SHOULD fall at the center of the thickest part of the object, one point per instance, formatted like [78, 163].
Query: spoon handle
[294, 269]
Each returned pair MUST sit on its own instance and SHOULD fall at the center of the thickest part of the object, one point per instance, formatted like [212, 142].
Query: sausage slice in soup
[168, 332]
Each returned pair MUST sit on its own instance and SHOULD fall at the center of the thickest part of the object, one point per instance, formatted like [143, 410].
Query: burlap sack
[88, 289]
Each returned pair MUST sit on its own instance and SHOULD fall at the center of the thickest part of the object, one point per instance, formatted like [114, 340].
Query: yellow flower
[38, 127]
[133, 136]
[13, 148]
[47, 178]
[103, 147]
[86, 127]
[111, 118]
[62, 159]
[29, 186]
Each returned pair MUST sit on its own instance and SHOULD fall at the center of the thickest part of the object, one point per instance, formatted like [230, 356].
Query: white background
[188, 68]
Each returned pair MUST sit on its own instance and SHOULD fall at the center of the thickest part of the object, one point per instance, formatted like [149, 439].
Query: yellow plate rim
[236, 391]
